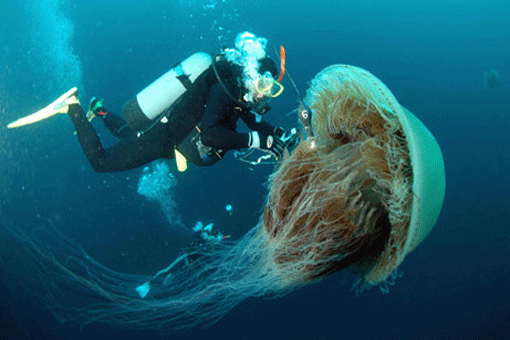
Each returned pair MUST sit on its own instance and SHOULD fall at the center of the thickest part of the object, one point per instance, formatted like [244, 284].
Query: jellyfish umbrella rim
[429, 180]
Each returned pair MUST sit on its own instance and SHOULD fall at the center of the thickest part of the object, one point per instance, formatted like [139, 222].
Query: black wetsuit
[218, 130]
[219, 122]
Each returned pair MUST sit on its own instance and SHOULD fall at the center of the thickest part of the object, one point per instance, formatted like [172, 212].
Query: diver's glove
[268, 143]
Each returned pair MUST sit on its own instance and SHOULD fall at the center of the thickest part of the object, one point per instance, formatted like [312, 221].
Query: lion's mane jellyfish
[363, 192]
[360, 192]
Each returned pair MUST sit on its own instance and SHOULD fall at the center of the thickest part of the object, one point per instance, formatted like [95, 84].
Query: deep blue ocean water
[431, 55]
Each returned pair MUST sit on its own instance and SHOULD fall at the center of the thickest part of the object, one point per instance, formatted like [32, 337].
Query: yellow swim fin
[58, 106]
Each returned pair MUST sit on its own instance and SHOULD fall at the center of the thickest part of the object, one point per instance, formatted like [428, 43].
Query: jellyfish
[491, 79]
[359, 193]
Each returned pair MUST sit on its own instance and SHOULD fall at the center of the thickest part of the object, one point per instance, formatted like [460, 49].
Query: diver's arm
[214, 133]
[128, 154]
[264, 136]
[251, 122]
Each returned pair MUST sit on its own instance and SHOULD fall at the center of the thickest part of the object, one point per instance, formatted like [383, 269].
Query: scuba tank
[149, 104]
[178, 99]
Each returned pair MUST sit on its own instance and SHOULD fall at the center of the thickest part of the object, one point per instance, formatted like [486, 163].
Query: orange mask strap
[282, 63]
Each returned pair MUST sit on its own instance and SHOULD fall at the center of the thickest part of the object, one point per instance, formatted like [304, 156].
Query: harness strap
[231, 96]
[183, 78]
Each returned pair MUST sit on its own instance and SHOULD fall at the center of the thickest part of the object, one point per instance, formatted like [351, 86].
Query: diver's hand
[273, 145]
[268, 143]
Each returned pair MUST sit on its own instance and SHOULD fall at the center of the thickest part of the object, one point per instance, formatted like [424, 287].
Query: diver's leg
[87, 135]
[117, 126]
[128, 153]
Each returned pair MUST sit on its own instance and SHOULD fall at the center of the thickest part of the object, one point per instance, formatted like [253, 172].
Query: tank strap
[220, 81]
[183, 78]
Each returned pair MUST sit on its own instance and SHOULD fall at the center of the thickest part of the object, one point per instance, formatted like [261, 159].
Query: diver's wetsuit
[218, 130]
[129, 153]
[219, 122]
[118, 126]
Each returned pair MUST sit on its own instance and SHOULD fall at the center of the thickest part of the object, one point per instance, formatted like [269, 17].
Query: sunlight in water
[52, 33]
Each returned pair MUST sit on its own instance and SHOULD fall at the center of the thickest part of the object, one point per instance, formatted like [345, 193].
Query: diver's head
[259, 71]
[266, 64]
[261, 86]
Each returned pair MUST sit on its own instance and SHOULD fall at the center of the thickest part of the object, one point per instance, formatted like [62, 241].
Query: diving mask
[266, 86]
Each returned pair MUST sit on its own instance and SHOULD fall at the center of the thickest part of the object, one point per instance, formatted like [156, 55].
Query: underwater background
[448, 62]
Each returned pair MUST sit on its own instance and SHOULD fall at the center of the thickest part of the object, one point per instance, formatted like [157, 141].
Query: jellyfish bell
[366, 195]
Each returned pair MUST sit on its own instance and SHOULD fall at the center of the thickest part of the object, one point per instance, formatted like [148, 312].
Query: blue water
[431, 55]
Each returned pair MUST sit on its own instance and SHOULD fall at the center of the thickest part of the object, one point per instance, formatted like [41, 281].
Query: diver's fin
[144, 289]
[96, 107]
[90, 115]
[60, 105]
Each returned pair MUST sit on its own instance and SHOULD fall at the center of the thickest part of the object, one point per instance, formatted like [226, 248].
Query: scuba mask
[266, 86]
[263, 89]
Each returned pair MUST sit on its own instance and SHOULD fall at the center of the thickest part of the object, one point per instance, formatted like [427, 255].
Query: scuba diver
[205, 236]
[189, 113]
